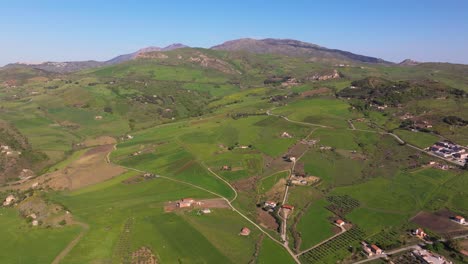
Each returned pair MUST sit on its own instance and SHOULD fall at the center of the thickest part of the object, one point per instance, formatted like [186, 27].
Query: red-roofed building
[244, 231]
[340, 222]
[376, 249]
[459, 219]
[420, 233]
[287, 206]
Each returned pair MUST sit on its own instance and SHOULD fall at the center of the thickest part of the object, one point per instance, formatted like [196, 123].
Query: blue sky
[34, 31]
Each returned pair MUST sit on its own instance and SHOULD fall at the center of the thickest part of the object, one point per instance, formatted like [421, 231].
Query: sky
[67, 30]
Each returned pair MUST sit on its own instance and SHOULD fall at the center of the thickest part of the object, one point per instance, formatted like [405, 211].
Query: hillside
[294, 48]
[272, 150]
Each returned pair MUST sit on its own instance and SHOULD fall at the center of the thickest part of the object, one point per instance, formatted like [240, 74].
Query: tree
[108, 109]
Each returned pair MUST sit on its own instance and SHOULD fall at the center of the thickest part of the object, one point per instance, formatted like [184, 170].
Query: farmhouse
[269, 204]
[376, 250]
[459, 219]
[286, 135]
[226, 168]
[419, 233]
[205, 211]
[430, 258]
[98, 117]
[244, 231]
[287, 207]
[340, 222]
[185, 202]
[10, 198]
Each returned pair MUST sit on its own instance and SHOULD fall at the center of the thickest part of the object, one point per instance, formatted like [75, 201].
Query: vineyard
[122, 251]
[391, 238]
[342, 204]
[334, 249]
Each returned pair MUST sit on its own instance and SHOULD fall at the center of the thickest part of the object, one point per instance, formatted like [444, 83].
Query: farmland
[121, 142]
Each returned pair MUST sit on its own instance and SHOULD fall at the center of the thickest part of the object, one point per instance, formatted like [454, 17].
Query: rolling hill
[295, 48]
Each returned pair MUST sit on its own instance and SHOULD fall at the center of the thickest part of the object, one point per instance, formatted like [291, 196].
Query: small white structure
[10, 198]
[286, 135]
[460, 219]
[35, 223]
[205, 211]
[270, 204]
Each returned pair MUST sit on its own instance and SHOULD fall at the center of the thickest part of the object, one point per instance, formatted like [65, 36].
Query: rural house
[376, 250]
[340, 222]
[419, 233]
[185, 202]
[459, 219]
[244, 231]
[10, 198]
[269, 204]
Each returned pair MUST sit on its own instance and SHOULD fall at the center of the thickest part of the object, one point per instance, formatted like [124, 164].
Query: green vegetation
[22, 243]
[316, 225]
[198, 121]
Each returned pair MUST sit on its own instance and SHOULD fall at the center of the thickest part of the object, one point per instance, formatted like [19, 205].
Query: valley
[254, 151]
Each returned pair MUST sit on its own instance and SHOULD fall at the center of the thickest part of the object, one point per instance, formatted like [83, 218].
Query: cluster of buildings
[286, 135]
[430, 258]
[185, 203]
[379, 107]
[449, 150]
[438, 165]
[6, 150]
[310, 142]
[371, 250]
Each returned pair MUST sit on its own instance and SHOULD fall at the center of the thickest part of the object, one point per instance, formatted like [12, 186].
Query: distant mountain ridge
[71, 66]
[288, 47]
[295, 48]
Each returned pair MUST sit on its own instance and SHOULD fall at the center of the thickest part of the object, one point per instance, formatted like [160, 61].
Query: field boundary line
[72, 243]
[230, 205]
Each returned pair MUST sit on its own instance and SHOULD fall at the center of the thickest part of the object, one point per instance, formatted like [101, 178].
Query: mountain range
[287, 47]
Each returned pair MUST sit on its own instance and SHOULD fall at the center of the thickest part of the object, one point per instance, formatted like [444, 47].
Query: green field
[199, 120]
[42, 245]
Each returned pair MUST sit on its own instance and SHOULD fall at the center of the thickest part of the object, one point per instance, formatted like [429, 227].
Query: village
[450, 151]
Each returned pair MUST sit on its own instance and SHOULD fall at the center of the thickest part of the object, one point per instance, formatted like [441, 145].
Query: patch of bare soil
[139, 178]
[266, 219]
[297, 150]
[440, 223]
[277, 191]
[91, 168]
[246, 185]
[198, 204]
[103, 140]
[351, 154]
[318, 91]
[143, 255]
